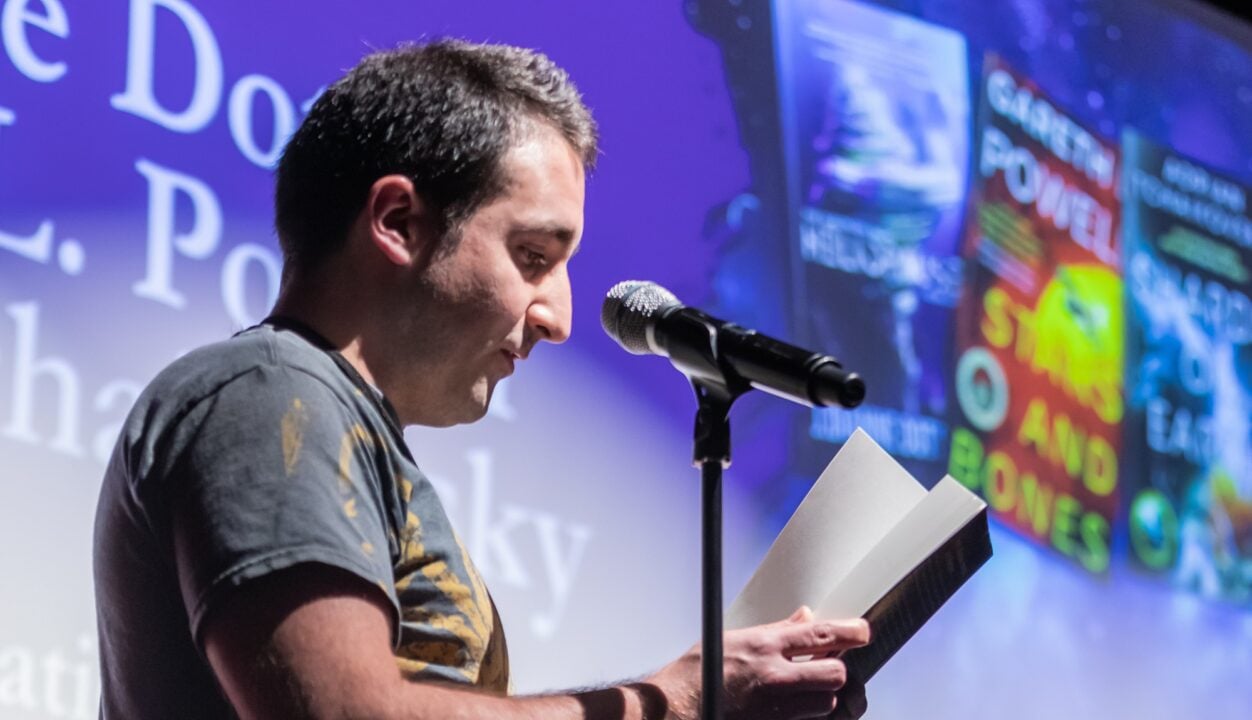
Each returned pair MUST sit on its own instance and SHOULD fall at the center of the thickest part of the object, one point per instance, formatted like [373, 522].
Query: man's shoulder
[242, 382]
[245, 357]
[251, 368]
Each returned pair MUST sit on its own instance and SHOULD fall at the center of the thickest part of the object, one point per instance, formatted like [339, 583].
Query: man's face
[501, 289]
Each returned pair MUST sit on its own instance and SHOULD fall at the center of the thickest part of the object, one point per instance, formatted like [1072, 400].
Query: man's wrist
[672, 693]
[655, 704]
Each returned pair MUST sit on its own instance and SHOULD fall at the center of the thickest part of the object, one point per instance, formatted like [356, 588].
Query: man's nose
[551, 315]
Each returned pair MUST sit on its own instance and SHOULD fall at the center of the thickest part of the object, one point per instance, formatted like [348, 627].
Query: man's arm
[315, 642]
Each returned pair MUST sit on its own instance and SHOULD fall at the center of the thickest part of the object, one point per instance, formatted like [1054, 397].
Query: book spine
[898, 615]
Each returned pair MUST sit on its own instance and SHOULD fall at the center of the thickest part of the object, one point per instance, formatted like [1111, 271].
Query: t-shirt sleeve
[271, 471]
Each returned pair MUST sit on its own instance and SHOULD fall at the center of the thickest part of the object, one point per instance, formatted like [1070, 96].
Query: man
[266, 546]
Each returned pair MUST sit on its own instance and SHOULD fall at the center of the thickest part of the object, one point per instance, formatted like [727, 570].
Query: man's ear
[401, 224]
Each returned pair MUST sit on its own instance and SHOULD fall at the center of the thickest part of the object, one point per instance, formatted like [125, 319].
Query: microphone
[645, 318]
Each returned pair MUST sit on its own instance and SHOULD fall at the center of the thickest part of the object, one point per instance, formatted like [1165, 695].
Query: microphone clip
[716, 383]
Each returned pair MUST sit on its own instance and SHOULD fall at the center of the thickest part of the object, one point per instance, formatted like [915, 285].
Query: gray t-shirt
[251, 456]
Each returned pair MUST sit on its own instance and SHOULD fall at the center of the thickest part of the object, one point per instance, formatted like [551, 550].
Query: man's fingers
[824, 674]
[801, 615]
[823, 637]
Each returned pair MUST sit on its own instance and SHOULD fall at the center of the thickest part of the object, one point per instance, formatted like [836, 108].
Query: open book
[869, 541]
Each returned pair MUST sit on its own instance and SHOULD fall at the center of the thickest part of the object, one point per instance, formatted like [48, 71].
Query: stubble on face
[463, 319]
[458, 319]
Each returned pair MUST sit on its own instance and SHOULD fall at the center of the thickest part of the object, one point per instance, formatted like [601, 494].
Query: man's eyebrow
[561, 233]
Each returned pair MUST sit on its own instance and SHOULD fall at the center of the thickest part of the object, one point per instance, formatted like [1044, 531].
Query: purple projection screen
[753, 154]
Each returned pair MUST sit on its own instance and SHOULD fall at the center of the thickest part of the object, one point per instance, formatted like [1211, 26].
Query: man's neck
[317, 306]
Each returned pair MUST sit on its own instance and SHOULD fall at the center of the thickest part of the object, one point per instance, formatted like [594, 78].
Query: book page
[944, 511]
[857, 499]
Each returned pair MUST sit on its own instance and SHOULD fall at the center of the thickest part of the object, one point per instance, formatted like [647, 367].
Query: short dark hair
[443, 114]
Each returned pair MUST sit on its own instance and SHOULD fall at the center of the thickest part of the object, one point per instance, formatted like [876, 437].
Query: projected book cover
[1038, 374]
[875, 114]
[1188, 272]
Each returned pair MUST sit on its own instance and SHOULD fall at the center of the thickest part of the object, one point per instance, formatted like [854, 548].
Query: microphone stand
[717, 386]
[690, 340]
[712, 455]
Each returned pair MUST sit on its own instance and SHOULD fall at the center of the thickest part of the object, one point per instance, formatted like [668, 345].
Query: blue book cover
[875, 117]
[1188, 274]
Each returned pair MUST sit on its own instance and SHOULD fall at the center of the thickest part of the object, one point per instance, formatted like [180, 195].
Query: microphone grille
[629, 308]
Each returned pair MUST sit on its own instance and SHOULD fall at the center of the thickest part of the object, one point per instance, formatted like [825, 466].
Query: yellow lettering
[1094, 531]
[1100, 476]
[1063, 524]
[996, 326]
[1050, 357]
[1034, 429]
[1026, 336]
[1108, 402]
[1035, 508]
[1001, 482]
[1068, 443]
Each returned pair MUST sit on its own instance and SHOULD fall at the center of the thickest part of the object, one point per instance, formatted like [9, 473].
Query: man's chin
[461, 417]
[468, 408]
[475, 407]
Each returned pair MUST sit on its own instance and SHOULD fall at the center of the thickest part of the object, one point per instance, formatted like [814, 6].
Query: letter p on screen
[164, 241]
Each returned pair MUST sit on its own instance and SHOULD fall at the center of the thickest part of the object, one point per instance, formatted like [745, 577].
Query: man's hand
[315, 642]
[789, 669]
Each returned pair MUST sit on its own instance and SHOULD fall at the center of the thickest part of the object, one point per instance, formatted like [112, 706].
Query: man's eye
[533, 258]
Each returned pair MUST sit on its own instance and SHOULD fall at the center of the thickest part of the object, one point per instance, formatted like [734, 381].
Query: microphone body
[646, 318]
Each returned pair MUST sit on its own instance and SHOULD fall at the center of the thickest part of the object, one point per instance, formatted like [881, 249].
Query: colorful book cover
[1188, 236]
[1039, 331]
[875, 116]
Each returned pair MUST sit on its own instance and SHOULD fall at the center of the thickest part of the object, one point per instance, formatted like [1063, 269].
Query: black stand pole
[711, 473]
[693, 342]
[712, 455]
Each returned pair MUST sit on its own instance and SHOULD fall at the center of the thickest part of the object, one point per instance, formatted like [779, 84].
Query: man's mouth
[511, 358]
